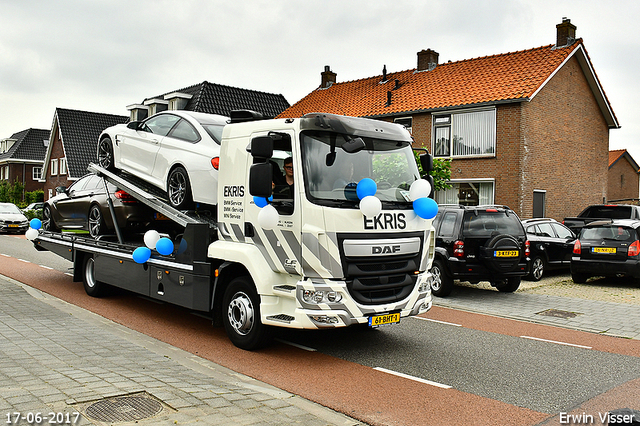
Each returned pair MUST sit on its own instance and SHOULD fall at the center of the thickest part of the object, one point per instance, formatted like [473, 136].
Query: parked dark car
[601, 211]
[84, 206]
[607, 248]
[551, 246]
[478, 243]
[12, 219]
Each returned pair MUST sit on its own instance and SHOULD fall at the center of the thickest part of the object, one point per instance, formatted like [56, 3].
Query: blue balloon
[260, 201]
[164, 246]
[141, 254]
[35, 223]
[425, 207]
[366, 187]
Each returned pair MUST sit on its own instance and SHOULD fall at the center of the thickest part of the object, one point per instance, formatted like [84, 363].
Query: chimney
[427, 60]
[384, 74]
[328, 77]
[566, 33]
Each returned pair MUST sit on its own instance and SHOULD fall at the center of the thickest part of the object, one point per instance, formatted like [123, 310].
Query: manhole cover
[558, 314]
[124, 408]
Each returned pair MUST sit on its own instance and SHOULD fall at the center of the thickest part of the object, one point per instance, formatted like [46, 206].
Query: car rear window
[485, 223]
[612, 212]
[610, 232]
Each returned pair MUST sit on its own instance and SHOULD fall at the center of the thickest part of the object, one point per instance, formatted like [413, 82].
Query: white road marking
[439, 322]
[25, 261]
[295, 345]
[45, 267]
[554, 341]
[5, 255]
[417, 379]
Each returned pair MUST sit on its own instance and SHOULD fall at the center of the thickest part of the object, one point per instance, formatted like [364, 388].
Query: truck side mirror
[426, 161]
[260, 179]
[262, 147]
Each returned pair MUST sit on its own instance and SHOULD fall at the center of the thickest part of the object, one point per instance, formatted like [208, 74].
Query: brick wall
[23, 173]
[623, 181]
[565, 146]
[54, 181]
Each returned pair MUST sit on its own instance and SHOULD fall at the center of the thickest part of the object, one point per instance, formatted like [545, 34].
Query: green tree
[441, 172]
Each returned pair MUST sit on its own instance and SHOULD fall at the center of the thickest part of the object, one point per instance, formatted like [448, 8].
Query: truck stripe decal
[237, 232]
[258, 242]
[326, 260]
[294, 245]
[277, 248]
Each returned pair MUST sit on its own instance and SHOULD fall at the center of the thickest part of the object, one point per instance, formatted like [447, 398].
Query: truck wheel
[441, 285]
[179, 189]
[537, 269]
[48, 224]
[96, 221]
[241, 315]
[93, 287]
[509, 285]
[105, 154]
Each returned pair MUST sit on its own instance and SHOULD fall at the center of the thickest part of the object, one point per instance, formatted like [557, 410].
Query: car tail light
[215, 162]
[125, 197]
[527, 248]
[634, 248]
[458, 248]
[577, 247]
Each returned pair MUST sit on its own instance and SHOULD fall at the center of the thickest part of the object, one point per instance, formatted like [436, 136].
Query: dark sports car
[84, 206]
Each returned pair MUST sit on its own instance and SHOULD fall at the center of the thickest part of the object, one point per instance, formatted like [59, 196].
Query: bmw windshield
[333, 164]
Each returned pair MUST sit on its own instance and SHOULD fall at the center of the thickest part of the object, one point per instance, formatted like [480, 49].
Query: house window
[37, 173]
[405, 121]
[468, 193]
[63, 166]
[54, 167]
[465, 134]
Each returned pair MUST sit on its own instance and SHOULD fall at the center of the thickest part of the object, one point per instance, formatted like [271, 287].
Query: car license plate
[378, 320]
[607, 250]
[507, 253]
[13, 225]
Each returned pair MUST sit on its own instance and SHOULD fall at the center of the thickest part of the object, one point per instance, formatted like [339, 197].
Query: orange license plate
[605, 250]
[507, 253]
[378, 320]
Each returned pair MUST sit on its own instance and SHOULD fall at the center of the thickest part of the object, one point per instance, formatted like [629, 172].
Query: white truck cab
[317, 261]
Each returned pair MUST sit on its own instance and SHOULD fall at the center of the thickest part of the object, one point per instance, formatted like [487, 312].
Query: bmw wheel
[179, 189]
[105, 154]
[48, 223]
[96, 221]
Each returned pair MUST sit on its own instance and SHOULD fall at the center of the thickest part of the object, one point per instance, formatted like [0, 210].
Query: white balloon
[151, 237]
[370, 206]
[31, 234]
[419, 188]
[268, 217]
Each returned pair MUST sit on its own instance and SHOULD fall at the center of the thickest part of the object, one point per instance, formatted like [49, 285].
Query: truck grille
[374, 280]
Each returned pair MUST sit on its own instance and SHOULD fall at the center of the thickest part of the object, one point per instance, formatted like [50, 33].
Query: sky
[102, 55]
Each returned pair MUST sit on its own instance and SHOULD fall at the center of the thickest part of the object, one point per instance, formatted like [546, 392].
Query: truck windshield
[331, 173]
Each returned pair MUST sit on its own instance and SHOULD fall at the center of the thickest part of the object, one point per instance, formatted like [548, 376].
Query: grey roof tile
[29, 145]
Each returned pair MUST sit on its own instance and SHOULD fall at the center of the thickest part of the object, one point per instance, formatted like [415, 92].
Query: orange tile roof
[615, 155]
[504, 77]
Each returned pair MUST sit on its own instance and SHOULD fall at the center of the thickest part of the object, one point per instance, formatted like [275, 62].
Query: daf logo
[384, 249]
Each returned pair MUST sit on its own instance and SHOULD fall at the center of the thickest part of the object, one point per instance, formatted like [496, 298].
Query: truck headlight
[317, 297]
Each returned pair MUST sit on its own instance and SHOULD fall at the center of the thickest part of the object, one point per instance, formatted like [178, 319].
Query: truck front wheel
[241, 315]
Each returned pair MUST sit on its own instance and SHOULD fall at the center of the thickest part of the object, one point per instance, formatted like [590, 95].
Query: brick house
[623, 181]
[73, 145]
[528, 129]
[22, 156]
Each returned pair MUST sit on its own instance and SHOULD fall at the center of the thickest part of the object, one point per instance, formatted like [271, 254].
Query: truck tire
[105, 154]
[509, 285]
[179, 189]
[92, 287]
[95, 220]
[442, 284]
[48, 224]
[241, 315]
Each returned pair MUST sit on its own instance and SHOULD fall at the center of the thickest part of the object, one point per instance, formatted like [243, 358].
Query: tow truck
[314, 255]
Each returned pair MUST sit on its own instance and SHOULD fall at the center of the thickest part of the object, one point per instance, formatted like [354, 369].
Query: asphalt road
[464, 365]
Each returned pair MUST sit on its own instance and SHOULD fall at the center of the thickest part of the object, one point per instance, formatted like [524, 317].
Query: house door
[539, 203]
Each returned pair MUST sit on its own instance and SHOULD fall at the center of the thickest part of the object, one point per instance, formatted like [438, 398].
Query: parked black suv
[479, 243]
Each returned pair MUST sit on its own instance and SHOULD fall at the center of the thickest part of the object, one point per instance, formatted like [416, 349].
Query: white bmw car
[177, 151]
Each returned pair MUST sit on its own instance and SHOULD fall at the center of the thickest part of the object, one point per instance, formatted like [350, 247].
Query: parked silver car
[12, 219]
[176, 151]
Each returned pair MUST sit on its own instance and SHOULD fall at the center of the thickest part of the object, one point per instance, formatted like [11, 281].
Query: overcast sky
[103, 55]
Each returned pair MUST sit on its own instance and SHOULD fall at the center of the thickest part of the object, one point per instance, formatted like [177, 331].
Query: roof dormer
[156, 105]
[137, 112]
[177, 100]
